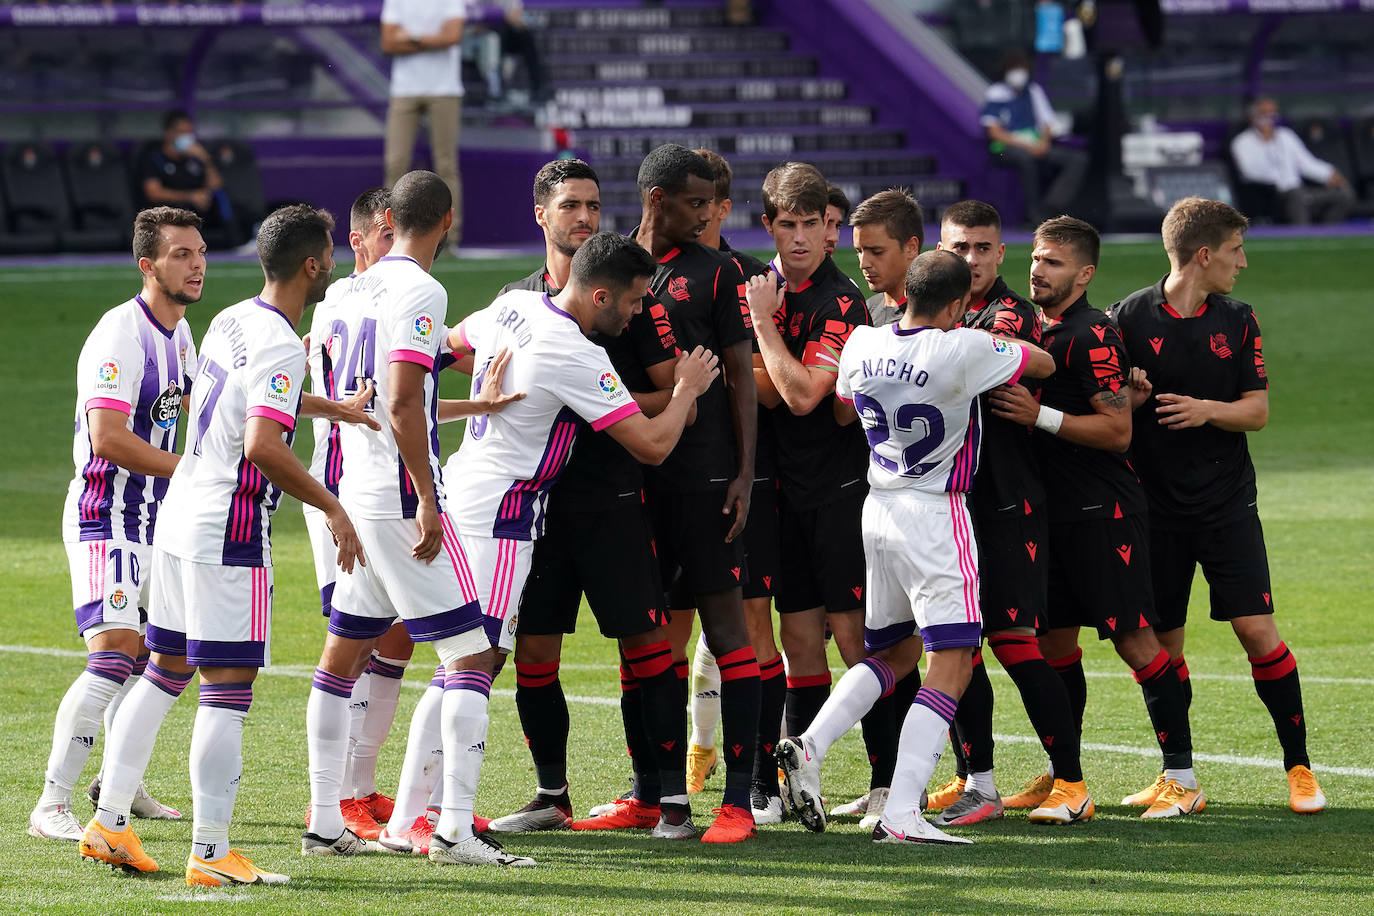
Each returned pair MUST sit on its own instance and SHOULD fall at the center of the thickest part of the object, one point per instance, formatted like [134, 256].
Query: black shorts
[607, 554]
[822, 556]
[1100, 576]
[693, 556]
[761, 549]
[1233, 560]
[1013, 569]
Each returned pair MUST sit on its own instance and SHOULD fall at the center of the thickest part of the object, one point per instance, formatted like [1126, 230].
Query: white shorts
[325, 553]
[501, 567]
[109, 584]
[217, 616]
[435, 599]
[922, 570]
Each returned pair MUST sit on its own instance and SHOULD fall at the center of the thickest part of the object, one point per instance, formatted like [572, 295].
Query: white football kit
[211, 597]
[916, 393]
[502, 473]
[327, 336]
[394, 312]
[132, 364]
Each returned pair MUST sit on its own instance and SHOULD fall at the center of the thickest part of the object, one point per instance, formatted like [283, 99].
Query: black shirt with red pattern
[1202, 475]
[820, 461]
[1008, 479]
[1089, 359]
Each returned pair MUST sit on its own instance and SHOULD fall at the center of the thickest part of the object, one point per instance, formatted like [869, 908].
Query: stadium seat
[1362, 133]
[35, 200]
[101, 204]
[1327, 140]
[238, 166]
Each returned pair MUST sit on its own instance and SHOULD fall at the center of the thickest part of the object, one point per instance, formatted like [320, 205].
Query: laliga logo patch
[118, 600]
[609, 385]
[107, 376]
[1001, 346]
[422, 331]
[167, 407]
[279, 388]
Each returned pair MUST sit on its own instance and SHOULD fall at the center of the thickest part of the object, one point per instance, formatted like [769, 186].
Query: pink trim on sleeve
[615, 416]
[849, 401]
[1021, 367]
[110, 404]
[463, 335]
[412, 356]
[272, 413]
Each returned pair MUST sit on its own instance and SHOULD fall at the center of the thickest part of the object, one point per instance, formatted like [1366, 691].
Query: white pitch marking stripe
[301, 671]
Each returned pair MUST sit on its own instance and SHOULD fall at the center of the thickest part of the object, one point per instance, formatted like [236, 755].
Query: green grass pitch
[1246, 854]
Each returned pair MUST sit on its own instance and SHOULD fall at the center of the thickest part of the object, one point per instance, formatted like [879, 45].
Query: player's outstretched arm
[800, 387]
[112, 440]
[1040, 364]
[405, 408]
[651, 440]
[487, 399]
[349, 410]
[1248, 414]
[264, 446]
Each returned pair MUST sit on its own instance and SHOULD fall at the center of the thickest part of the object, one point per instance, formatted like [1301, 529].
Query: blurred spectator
[1019, 123]
[1267, 153]
[180, 172]
[422, 38]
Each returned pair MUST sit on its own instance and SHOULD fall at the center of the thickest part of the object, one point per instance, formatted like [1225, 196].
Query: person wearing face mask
[180, 172]
[1270, 154]
[1018, 120]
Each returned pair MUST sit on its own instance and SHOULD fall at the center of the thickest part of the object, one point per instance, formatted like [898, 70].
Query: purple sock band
[227, 696]
[112, 666]
[140, 665]
[883, 671]
[940, 703]
[379, 668]
[169, 682]
[332, 683]
[476, 681]
[438, 679]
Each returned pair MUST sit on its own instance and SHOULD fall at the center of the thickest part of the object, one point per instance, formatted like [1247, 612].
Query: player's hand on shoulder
[1014, 403]
[354, 409]
[345, 538]
[695, 371]
[488, 394]
[764, 294]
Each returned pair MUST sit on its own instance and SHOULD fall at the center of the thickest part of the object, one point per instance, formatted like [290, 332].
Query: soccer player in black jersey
[1007, 504]
[888, 234]
[762, 559]
[700, 496]
[1198, 386]
[802, 327]
[1098, 542]
[597, 500]
[837, 209]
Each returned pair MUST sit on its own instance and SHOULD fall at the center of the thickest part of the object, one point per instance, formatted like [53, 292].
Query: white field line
[302, 672]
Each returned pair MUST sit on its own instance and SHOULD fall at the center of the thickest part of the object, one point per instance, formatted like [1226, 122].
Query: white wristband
[1049, 420]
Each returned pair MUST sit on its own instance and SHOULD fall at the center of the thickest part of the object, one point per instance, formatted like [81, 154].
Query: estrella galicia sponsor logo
[165, 410]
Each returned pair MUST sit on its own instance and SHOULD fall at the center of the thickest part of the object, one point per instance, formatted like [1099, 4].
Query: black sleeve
[729, 310]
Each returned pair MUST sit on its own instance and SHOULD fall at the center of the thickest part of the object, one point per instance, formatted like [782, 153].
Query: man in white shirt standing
[422, 37]
[1271, 154]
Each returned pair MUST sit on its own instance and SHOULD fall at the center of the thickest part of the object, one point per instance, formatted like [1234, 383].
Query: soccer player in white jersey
[388, 329]
[133, 372]
[502, 473]
[210, 605]
[914, 386]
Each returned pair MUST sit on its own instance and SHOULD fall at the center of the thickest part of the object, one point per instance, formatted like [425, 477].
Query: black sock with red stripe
[1276, 682]
[805, 697]
[1180, 668]
[1168, 710]
[1070, 671]
[772, 696]
[739, 720]
[647, 786]
[1046, 700]
[544, 717]
[973, 719]
[664, 714]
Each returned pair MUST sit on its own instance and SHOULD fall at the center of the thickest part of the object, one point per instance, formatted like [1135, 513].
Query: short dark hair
[797, 187]
[1012, 59]
[366, 208]
[290, 235]
[612, 260]
[972, 214]
[934, 280]
[173, 116]
[1194, 223]
[419, 202]
[558, 171]
[669, 166]
[1077, 234]
[724, 175]
[896, 211]
[835, 197]
[148, 228]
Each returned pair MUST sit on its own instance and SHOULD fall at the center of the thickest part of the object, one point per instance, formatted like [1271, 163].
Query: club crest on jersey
[118, 600]
[1219, 346]
[609, 385]
[279, 389]
[165, 410]
[794, 325]
[107, 376]
[422, 331]
[677, 288]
